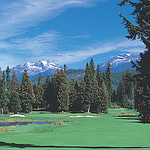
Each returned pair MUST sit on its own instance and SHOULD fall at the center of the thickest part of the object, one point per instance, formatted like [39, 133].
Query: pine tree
[47, 90]
[103, 105]
[14, 82]
[59, 91]
[88, 90]
[72, 96]
[99, 76]
[27, 96]
[0, 74]
[108, 81]
[39, 92]
[141, 31]
[62, 96]
[8, 82]
[129, 89]
[121, 94]
[81, 95]
[14, 104]
[96, 88]
[3, 96]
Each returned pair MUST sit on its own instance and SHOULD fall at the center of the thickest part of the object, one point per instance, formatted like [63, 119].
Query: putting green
[97, 131]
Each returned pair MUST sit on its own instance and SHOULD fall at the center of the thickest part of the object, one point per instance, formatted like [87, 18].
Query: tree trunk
[2, 111]
[88, 109]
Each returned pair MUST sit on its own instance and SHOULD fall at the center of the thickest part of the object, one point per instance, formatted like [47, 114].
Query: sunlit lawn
[103, 130]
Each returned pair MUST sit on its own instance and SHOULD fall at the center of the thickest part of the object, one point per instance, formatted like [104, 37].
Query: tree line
[91, 94]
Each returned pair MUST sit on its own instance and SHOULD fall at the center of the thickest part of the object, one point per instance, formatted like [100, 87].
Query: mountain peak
[120, 62]
[37, 67]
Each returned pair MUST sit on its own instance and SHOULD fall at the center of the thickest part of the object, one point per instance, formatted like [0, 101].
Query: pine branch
[123, 2]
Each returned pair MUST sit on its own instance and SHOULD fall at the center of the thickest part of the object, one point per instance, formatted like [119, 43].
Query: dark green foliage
[59, 92]
[99, 76]
[14, 82]
[80, 88]
[14, 103]
[103, 105]
[47, 91]
[88, 90]
[141, 14]
[141, 30]
[96, 88]
[27, 96]
[72, 96]
[0, 74]
[8, 84]
[143, 86]
[39, 93]
[126, 91]
[63, 98]
[108, 82]
[3, 95]
[121, 95]
[92, 98]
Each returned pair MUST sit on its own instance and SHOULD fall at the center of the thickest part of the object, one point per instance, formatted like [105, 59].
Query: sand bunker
[17, 115]
[86, 116]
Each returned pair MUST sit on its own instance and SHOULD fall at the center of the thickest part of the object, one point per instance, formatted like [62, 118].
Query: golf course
[119, 129]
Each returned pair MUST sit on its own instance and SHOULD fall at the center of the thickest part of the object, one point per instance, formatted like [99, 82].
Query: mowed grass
[101, 131]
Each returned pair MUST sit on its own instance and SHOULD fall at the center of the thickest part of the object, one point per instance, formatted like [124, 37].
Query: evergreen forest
[94, 92]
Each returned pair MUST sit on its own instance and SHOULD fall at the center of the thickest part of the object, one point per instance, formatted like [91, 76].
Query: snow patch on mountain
[120, 62]
[37, 67]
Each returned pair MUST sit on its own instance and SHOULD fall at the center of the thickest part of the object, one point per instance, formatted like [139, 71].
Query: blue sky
[62, 31]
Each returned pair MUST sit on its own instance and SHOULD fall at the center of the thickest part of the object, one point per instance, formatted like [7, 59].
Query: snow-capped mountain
[120, 62]
[36, 68]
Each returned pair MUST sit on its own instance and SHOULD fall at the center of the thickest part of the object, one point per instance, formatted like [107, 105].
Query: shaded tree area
[140, 30]
[125, 93]
[92, 94]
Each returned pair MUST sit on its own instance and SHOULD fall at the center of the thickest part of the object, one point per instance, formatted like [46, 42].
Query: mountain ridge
[118, 63]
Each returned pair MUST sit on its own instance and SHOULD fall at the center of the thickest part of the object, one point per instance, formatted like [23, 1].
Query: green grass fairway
[100, 132]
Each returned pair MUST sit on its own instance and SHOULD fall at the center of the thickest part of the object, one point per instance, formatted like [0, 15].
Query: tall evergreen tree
[59, 91]
[99, 76]
[88, 90]
[103, 104]
[141, 30]
[8, 81]
[14, 82]
[62, 96]
[108, 82]
[39, 93]
[96, 88]
[125, 91]
[47, 90]
[8, 84]
[14, 103]
[81, 95]
[3, 96]
[0, 74]
[72, 96]
[27, 96]
[129, 89]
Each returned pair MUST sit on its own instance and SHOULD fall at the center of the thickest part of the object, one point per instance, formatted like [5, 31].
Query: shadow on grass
[128, 118]
[38, 146]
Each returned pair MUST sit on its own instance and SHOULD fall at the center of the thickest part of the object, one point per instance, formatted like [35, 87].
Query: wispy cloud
[17, 16]
[93, 50]
[32, 46]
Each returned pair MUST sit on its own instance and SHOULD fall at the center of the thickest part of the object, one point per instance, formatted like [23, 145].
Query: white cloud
[35, 46]
[17, 16]
[93, 50]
